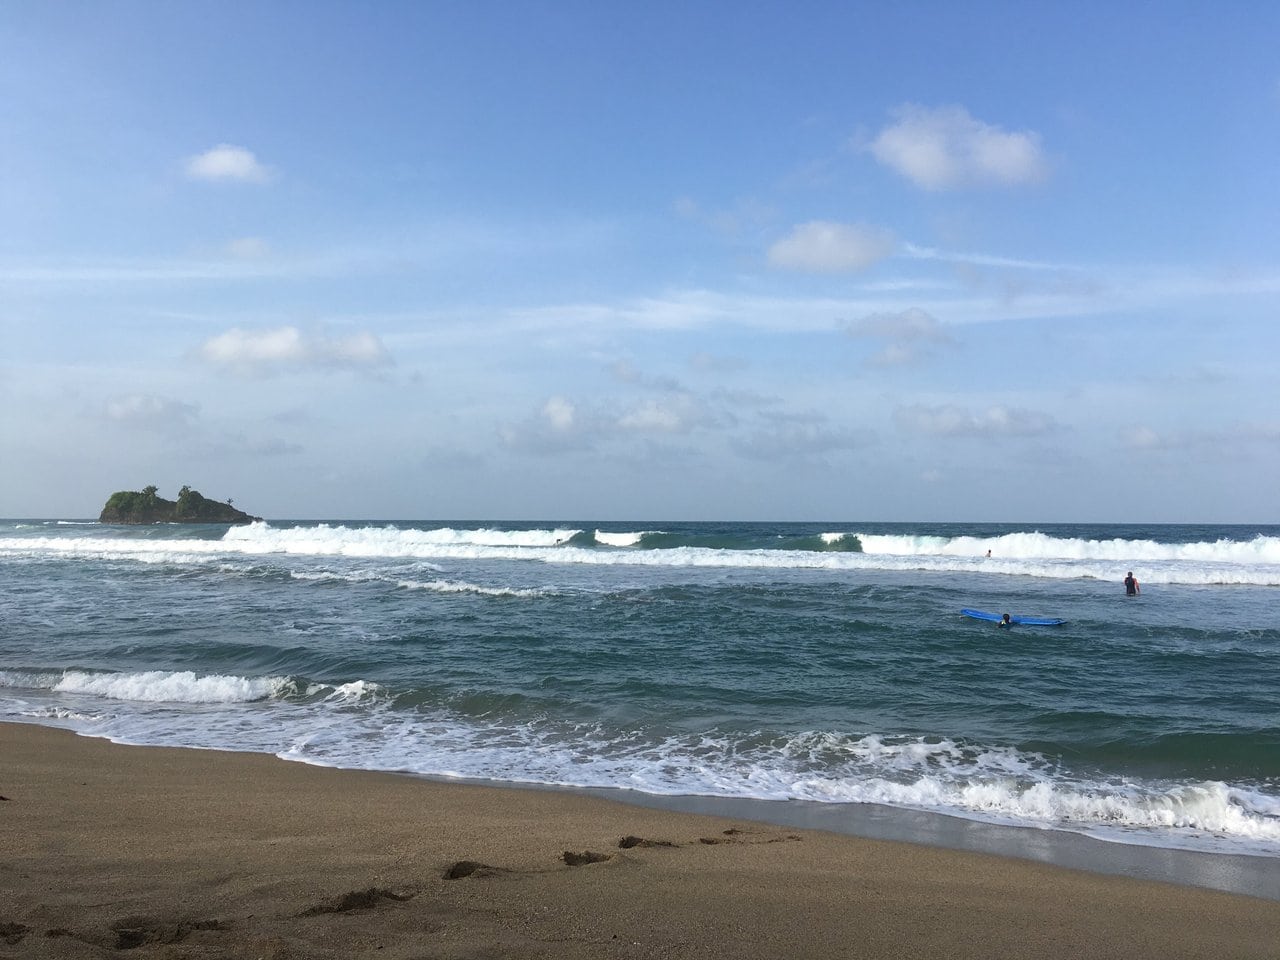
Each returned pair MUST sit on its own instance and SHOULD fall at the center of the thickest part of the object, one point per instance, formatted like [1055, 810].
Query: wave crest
[154, 686]
[1255, 561]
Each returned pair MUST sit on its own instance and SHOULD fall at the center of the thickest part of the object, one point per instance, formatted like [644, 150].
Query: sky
[674, 260]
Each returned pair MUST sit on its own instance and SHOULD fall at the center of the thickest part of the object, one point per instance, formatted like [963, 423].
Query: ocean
[824, 666]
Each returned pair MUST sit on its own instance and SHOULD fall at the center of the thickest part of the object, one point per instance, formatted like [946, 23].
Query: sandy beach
[156, 852]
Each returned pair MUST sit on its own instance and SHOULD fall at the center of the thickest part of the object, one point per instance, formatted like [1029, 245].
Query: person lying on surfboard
[1005, 621]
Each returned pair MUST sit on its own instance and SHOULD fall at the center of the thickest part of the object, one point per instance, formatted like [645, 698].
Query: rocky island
[145, 506]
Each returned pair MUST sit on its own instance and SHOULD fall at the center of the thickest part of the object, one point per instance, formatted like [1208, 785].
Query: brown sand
[110, 851]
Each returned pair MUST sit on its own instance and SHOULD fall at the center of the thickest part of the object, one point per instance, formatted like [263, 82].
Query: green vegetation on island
[145, 506]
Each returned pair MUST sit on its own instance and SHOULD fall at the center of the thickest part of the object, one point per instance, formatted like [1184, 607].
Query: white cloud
[248, 351]
[907, 333]
[945, 147]
[955, 421]
[1144, 438]
[897, 355]
[1230, 440]
[227, 162]
[824, 247]
[653, 416]
[561, 425]
[559, 414]
[626, 372]
[676, 413]
[557, 427]
[786, 441]
[917, 252]
[910, 324]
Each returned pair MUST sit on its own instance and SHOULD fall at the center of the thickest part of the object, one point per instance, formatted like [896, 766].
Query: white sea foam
[618, 539]
[451, 586]
[172, 687]
[1039, 546]
[59, 713]
[999, 785]
[433, 586]
[1255, 561]
[356, 725]
[357, 691]
[390, 541]
[182, 687]
[29, 679]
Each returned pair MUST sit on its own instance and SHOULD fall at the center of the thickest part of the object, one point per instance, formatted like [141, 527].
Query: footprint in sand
[585, 857]
[739, 835]
[355, 900]
[472, 868]
[629, 842]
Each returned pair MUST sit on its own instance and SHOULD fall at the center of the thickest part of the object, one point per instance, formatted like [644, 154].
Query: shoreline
[111, 847]
[1255, 875]
[1250, 874]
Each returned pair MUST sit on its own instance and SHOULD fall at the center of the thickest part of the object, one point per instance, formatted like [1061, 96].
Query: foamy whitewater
[784, 662]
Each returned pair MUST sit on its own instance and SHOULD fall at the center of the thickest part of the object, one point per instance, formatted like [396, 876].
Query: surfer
[1005, 621]
[1131, 585]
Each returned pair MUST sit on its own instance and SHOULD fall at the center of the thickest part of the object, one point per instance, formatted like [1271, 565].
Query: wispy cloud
[784, 440]
[558, 427]
[1227, 441]
[152, 271]
[954, 421]
[705, 362]
[238, 444]
[559, 414]
[824, 247]
[152, 413]
[562, 425]
[743, 215]
[254, 352]
[227, 162]
[944, 147]
[708, 309]
[248, 248]
[907, 334]
[674, 413]
[917, 252]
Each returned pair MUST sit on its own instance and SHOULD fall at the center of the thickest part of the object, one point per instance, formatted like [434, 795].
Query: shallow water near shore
[813, 670]
[1255, 876]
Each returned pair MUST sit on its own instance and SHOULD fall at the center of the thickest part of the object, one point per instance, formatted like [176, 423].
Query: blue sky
[928, 261]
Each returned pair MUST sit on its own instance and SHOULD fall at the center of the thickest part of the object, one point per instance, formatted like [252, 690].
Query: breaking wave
[1250, 561]
[364, 725]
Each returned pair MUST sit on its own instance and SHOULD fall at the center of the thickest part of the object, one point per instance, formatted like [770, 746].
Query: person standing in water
[1131, 585]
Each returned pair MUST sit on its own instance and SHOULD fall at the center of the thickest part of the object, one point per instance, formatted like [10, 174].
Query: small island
[145, 506]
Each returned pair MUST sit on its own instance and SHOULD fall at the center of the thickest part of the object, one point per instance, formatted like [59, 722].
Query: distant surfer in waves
[1131, 585]
[1005, 621]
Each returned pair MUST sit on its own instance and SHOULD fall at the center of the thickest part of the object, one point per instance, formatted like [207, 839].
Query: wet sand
[109, 851]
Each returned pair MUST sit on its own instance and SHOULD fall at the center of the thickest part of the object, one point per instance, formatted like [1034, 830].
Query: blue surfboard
[1015, 618]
